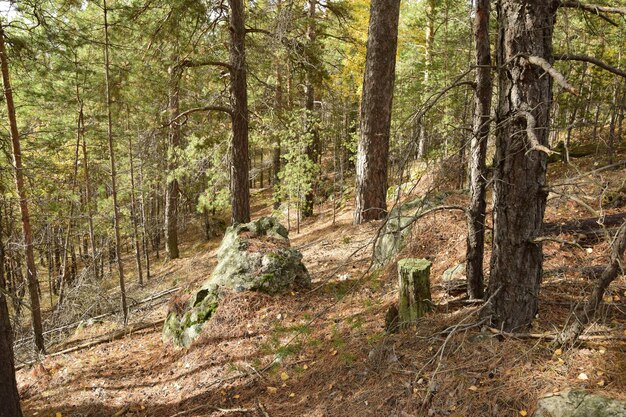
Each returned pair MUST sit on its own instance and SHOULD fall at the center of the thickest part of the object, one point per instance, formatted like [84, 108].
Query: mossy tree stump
[415, 299]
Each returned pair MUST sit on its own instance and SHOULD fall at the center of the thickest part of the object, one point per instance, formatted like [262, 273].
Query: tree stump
[415, 300]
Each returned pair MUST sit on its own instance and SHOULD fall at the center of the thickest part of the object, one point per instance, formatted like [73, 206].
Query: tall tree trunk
[31, 268]
[116, 209]
[478, 152]
[520, 191]
[70, 221]
[171, 190]
[9, 395]
[429, 39]
[144, 225]
[92, 235]
[378, 81]
[133, 211]
[312, 148]
[239, 187]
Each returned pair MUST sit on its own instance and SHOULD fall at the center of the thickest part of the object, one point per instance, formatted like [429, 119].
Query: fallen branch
[588, 226]
[553, 337]
[213, 408]
[119, 334]
[586, 314]
[153, 297]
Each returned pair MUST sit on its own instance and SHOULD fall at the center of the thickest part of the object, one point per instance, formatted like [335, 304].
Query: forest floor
[324, 351]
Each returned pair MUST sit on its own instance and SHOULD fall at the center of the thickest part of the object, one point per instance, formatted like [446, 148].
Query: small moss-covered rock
[254, 256]
[578, 403]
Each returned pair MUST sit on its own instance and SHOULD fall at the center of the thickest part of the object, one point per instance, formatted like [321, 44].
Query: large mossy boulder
[254, 256]
[577, 403]
[394, 235]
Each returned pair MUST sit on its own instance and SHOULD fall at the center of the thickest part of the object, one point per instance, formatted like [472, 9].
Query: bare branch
[258, 30]
[593, 8]
[556, 75]
[186, 113]
[531, 123]
[591, 60]
[188, 63]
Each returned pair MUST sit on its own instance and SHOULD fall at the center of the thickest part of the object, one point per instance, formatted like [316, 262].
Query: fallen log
[153, 297]
[588, 229]
[107, 338]
[553, 337]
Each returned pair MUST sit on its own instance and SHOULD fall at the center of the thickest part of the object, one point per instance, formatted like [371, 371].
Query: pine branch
[591, 60]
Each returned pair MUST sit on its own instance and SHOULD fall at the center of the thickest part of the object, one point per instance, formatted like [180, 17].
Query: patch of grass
[347, 358]
[356, 322]
[376, 337]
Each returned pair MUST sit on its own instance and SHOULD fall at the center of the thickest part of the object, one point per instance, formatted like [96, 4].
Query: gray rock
[455, 273]
[454, 279]
[254, 256]
[577, 403]
[393, 237]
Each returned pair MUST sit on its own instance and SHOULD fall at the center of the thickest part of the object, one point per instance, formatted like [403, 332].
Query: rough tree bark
[116, 209]
[31, 268]
[239, 175]
[520, 191]
[313, 148]
[9, 395]
[478, 152]
[373, 149]
[171, 190]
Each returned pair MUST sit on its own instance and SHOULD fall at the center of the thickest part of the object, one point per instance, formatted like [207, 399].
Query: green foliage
[299, 171]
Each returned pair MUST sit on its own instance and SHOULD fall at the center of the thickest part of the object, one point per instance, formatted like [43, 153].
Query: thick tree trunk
[519, 167]
[9, 395]
[373, 149]
[116, 209]
[171, 190]
[239, 187]
[31, 268]
[478, 152]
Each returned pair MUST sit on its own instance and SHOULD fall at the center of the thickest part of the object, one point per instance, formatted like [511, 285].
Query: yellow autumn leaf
[473, 388]
[601, 383]
[58, 414]
[305, 367]
[523, 413]
[583, 376]
[272, 390]
[236, 396]
[284, 376]
[558, 352]
[292, 395]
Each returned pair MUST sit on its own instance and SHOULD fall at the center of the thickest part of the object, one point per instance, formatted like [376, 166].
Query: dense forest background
[142, 121]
